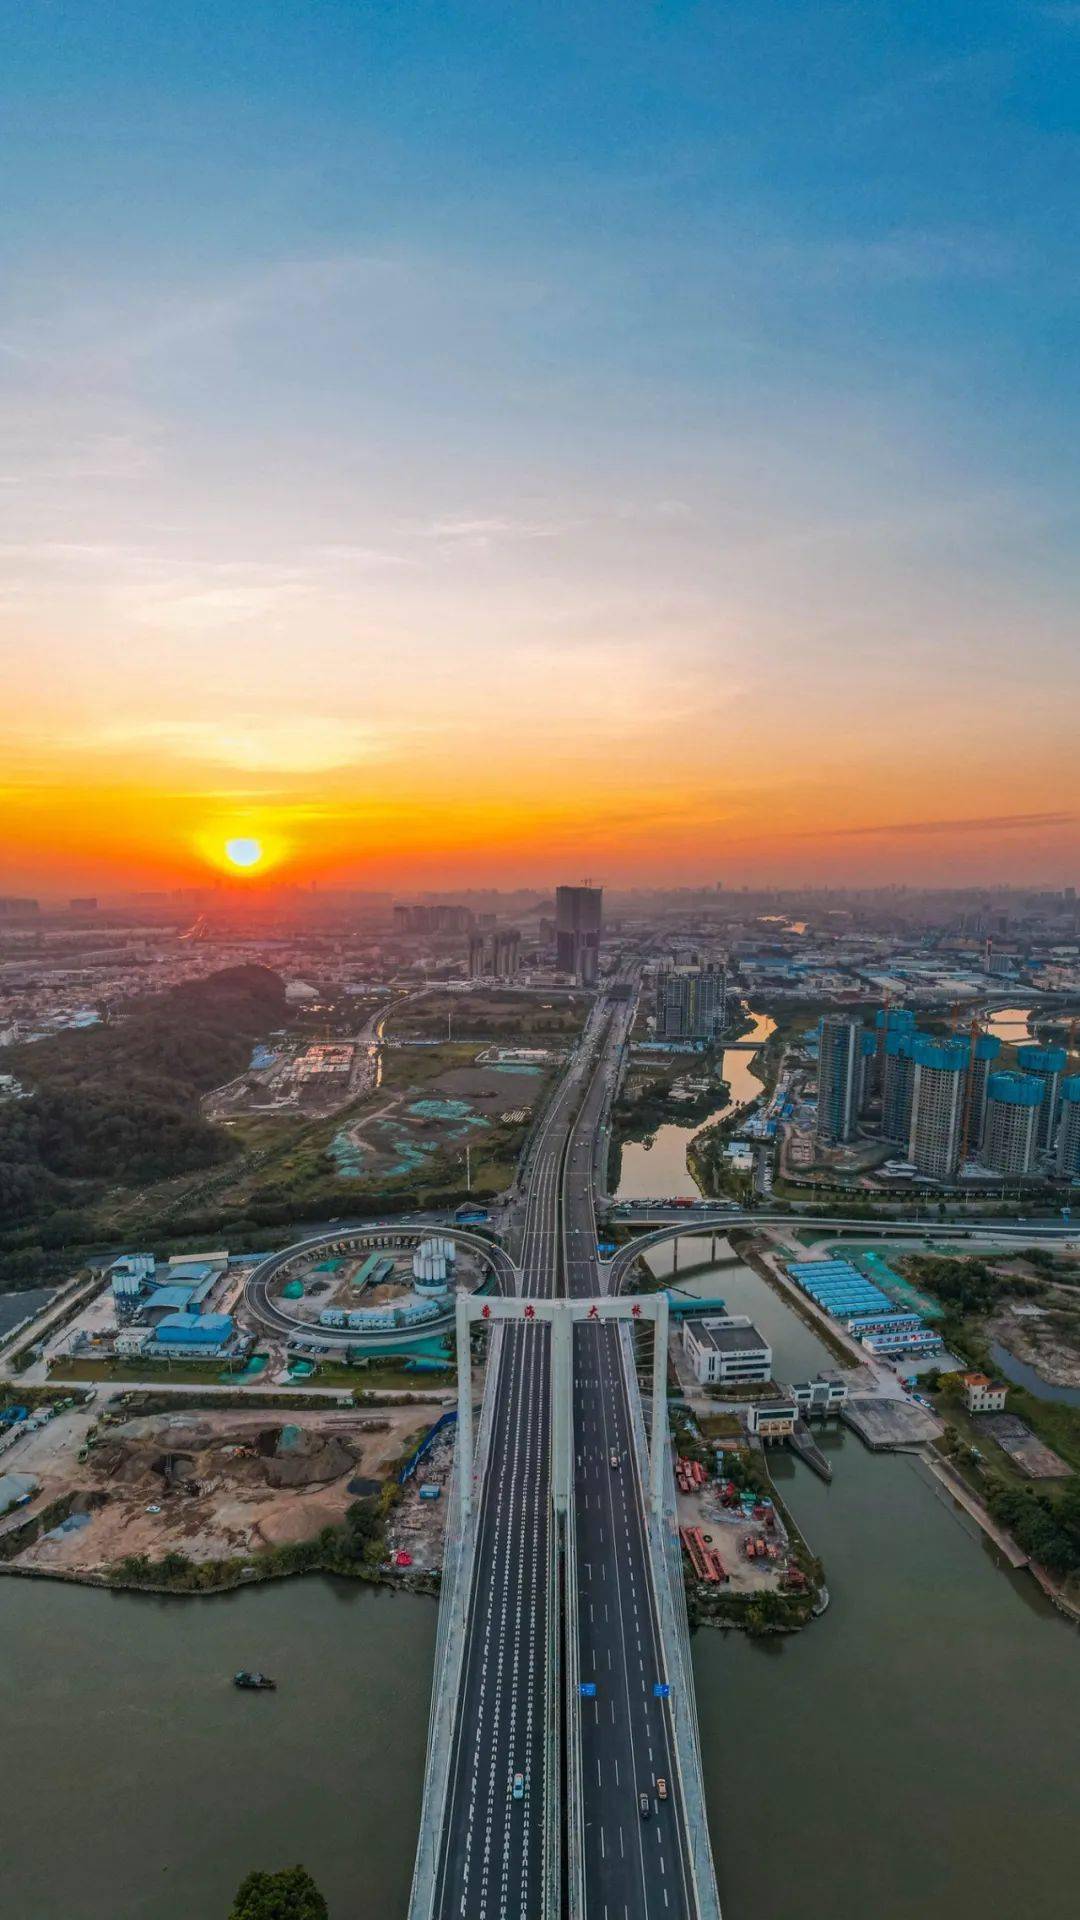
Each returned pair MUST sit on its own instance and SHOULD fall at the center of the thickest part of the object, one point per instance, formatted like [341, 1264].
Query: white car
[518, 1786]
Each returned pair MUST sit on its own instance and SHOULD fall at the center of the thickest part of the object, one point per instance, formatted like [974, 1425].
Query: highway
[635, 1868]
[492, 1861]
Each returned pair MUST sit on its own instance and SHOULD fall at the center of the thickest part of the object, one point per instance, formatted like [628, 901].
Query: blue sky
[621, 368]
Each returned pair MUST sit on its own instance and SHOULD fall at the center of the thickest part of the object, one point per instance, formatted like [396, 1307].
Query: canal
[913, 1755]
[659, 1169]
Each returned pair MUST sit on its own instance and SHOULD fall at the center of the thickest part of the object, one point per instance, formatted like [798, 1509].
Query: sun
[243, 853]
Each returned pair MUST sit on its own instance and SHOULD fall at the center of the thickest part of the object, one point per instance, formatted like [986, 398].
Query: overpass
[700, 1223]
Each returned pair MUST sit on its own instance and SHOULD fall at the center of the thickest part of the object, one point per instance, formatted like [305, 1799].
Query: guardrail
[552, 1881]
[575, 1797]
[667, 1579]
[459, 1553]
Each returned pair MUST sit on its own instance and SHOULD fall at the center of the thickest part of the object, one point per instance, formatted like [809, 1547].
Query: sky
[495, 444]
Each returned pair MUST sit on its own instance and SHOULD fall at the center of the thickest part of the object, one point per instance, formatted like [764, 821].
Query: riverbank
[929, 1645]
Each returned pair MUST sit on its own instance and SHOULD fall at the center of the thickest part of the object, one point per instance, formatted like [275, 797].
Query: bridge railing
[450, 1646]
[665, 1567]
[552, 1883]
[575, 1799]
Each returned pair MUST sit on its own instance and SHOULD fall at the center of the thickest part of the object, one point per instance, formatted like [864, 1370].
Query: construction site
[213, 1485]
[734, 1538]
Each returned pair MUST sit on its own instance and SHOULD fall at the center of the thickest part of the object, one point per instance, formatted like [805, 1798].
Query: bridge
[563, 1689]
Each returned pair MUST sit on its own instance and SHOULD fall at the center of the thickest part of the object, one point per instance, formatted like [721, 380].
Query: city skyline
[449, 450]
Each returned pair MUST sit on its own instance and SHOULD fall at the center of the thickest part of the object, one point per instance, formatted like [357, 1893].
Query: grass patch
[197, 1372]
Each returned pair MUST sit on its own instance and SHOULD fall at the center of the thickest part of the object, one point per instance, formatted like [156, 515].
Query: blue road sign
[588, 1688]
[661, 1689]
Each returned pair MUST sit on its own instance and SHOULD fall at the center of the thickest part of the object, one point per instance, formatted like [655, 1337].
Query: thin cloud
[990, 823]
[302, 744]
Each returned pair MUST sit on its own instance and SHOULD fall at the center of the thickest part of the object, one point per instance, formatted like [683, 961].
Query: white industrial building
[726, 1350]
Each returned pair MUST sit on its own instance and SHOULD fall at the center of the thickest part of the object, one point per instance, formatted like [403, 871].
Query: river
[912, 1755]
[140, 1785]
[659, 1170]
[1010, 1024]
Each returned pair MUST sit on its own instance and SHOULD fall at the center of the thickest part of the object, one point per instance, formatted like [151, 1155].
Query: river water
[138, 1784]
[912, 1756]
[1010, 1024]
[660, 1170]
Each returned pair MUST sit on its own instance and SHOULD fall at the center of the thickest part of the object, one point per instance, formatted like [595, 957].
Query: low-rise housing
[983, 1395]
[819, 1396]
[772, 1419]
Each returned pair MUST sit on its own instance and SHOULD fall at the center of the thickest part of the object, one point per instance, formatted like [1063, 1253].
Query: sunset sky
[455, 444]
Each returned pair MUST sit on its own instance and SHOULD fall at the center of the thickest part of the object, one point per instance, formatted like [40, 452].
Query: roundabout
[427, 1311]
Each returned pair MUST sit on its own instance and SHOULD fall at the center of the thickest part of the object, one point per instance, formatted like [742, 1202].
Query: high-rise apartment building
[577, 932]
[497, 953]
[1047, 1064]
[839, 1078]
[868, 1046]
[1011, 1123]
[899, 1082]
[887, 1020]
[981, 1058]
[937, 1105]
[691, 1003]
[441, 917]
[505, 953]
[1068, 1140]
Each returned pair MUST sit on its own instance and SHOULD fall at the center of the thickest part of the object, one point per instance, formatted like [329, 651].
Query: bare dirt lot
[1024, 1449]
[729, 1532]
[1046, 1337]
[214, 1484]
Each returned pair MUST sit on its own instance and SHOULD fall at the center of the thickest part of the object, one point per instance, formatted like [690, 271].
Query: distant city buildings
[691, 1002]
[439, 917]
[577, 932]
[496, 955]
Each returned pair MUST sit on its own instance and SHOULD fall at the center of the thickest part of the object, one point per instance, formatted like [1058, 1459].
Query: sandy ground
[729, 1531]
[1049, 1342]
[221, 1482]
[418, 1525]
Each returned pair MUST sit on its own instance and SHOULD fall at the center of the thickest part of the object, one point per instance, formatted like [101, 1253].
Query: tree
[288, 1895]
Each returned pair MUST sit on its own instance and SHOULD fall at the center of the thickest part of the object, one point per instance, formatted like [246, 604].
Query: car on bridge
[518, 1787]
